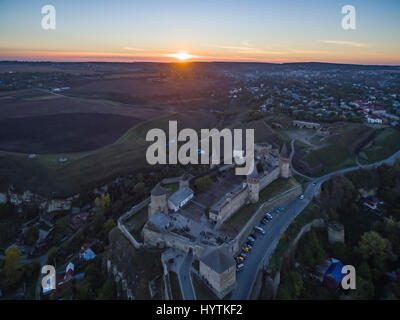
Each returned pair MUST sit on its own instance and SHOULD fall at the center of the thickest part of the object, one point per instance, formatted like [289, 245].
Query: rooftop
[218, 259]
[180, 195]
[158, 190]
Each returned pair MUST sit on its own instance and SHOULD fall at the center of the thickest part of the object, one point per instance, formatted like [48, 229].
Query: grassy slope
[242, 216]
[385, 144]
[46, 174]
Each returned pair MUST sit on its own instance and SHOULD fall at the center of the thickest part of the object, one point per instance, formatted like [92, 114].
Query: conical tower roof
[254, 173]
[284, 151]
[158, 190]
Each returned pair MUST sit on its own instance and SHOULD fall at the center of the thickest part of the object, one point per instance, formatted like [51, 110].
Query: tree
[108, 226]
[108, 290]
[51, 255]
[92, 275]
[61, 225]
[203, 184]
[12, 266]
[140, 188]
[102, 202]
[297, 283]
[98, 223]
[32, 235]
[339, 251]
[374, 248]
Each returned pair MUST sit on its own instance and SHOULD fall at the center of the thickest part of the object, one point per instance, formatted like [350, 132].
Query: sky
[201, 30]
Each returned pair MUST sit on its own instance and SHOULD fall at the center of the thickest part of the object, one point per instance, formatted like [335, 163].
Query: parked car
[260, 230]
[245, 249]
[243, 255]
[254, 235]
[240, 267]
[251, 239]
[264, 221]
[249, 244]
[268, 216]
[301, 197]
[239, 259]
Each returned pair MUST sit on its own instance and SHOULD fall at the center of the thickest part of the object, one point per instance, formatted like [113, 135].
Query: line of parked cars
[251, 239]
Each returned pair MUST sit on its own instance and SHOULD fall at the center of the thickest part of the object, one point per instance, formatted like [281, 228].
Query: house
[372, 203]
[69, 271]
[180, 198]
[58, 205]
[79, 220]
[374, 119]
[330, 273]
[87, 252]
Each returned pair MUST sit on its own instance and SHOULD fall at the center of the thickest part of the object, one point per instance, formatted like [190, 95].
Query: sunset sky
[201, 30]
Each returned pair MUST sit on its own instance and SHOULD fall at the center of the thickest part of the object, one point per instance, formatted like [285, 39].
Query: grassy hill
[45, 174]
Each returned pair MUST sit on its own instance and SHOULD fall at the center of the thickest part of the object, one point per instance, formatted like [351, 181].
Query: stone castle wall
[269, 178]
[269, 205]
[166, 239]
[234, 205]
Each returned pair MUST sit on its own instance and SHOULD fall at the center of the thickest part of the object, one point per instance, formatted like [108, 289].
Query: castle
[273, 164]
[169, 217]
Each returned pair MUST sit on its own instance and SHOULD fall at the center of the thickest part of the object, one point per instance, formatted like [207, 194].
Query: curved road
[265, 245]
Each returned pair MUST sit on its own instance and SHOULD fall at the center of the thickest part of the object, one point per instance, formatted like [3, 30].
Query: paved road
[185, 279]
[265, 245]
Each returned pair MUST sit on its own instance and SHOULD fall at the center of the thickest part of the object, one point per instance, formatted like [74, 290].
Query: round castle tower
[253, 184]
[284, 162]
[184, 181]
[158, 200]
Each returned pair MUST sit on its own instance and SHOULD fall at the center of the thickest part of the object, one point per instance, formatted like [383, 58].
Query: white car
[268, 216]
[301, 197]
[240, 267]
[260, 230]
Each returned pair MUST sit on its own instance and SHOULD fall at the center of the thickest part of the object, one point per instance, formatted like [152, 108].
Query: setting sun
[182, 56]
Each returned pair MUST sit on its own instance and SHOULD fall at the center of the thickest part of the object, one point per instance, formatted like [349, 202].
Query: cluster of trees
[203, 184]
[372, 241]
[13, 272]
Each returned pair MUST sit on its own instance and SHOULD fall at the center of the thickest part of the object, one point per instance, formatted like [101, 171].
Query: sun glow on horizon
[181, 55]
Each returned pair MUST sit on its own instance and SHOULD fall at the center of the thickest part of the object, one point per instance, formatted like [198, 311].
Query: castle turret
[158, 200]
[284, 162]
[253, 182]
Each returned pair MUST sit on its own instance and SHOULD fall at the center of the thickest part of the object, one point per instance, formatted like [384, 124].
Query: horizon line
[198, 61]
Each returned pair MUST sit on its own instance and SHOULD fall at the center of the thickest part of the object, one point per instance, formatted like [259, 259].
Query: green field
[86, 169]
[385, 144]
[332, 157]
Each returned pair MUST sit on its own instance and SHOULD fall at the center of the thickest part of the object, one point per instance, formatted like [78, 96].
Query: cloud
[346, 43]
[133, 49]
[247, 49]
